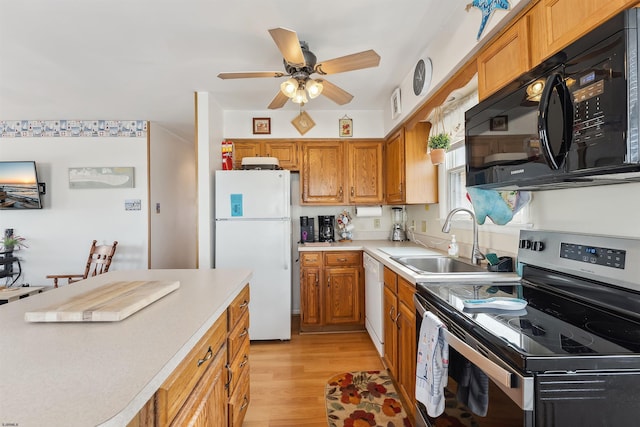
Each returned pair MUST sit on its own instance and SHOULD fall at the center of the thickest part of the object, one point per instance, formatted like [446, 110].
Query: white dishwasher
[373, 295]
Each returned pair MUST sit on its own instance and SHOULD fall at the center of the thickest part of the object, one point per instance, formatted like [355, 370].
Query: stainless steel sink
[438, 265]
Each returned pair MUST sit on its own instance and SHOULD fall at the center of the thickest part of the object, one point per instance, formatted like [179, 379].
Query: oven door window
[501, 410]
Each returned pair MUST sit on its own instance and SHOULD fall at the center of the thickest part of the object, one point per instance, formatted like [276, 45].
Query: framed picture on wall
[396, 106]
[261, 125]
[345, 127]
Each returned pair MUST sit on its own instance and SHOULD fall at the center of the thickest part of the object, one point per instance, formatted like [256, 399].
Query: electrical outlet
[376, 223]
[423, 226]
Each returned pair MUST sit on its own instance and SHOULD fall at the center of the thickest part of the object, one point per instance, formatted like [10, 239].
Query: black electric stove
[572, 355]
[572, 321]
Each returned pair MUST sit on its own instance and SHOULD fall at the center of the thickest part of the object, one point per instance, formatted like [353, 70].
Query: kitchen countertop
[102, 373]
[376, 248]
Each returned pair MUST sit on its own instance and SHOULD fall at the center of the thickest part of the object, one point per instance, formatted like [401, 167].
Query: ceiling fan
[300, 63]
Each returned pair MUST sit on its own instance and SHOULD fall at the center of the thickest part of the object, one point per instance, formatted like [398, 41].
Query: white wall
[366, 124]
[173, 187]
[60, 234]
[449, 52]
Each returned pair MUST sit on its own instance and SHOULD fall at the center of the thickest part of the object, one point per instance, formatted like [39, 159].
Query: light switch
[157, 208]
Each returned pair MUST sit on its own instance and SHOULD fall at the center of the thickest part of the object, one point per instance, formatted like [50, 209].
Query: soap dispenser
[453, 247]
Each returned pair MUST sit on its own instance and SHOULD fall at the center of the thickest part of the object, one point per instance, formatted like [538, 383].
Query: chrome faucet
[476, 255]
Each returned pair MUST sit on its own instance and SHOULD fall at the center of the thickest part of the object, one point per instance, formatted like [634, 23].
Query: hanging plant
[440, 141]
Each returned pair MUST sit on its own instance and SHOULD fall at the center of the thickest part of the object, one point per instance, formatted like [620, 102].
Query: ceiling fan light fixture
[314, 88]
[289, 87]
[300, 96]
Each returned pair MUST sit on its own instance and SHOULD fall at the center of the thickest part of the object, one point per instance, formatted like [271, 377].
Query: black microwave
[572, 121]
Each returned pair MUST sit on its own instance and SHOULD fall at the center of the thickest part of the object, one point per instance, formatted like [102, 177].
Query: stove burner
[614, 331]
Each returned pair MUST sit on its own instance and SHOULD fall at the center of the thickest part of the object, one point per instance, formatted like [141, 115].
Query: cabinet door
[394, 162]
[323, 173]
[365, 172]
[285, 151]
[390, 331]
[504, 60]
[567, 20]
[342, 302]
[207, 404]
[243, 149]
[407, 352]
[310, 313]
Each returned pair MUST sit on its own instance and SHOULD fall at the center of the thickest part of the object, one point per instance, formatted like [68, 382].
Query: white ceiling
[144, 59]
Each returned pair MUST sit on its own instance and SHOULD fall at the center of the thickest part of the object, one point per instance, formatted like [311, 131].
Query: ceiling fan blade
[250, 74]
[289, 45]
[356, 61]
[279, 101]
[334, 93]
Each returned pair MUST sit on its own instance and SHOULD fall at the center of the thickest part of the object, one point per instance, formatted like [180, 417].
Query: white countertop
[383, 250]
[87, 374]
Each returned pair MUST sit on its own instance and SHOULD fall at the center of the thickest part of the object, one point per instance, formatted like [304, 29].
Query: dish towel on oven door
[432, 364]
[473, 384]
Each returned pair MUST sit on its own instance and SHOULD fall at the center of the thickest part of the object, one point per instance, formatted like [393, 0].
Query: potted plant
[12, 242]
[438, 145]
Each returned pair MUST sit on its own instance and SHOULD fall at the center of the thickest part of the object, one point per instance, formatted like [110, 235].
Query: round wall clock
[422, 76]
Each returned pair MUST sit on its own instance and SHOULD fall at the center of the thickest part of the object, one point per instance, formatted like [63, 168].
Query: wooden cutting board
[109, 303]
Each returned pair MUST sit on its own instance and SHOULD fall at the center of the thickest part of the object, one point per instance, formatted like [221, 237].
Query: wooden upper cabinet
[322, 176]
[564, 21]
[394, 162]
[365, 172]
[285, 151]
[410, 177]
[242, 149]
[504, 59]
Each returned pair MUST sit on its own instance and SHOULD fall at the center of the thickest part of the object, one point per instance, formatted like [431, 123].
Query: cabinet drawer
[238, 367]
[175, 390]
[341, 259]
[405, 292]
[391, 280]
[311, 259]
[238, 307]
[238, 336]
[239, 402]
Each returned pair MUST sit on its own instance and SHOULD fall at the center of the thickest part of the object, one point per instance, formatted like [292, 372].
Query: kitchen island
[103, 373]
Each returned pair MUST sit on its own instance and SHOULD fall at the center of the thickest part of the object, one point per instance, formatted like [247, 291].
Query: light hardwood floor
[288, 378]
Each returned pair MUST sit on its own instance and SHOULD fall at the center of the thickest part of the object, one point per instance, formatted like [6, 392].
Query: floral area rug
[364, 399]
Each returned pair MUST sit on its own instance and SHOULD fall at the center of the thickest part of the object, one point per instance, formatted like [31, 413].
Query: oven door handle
[495, 371]
[492, 369]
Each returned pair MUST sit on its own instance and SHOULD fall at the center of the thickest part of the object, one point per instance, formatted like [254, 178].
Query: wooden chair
[98, 263]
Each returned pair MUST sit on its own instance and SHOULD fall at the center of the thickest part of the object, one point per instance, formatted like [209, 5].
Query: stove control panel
[607, 257]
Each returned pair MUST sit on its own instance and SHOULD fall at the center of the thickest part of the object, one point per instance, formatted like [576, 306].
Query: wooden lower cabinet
[400, 336]
[207, 404]
[210, 388]
[331, 291]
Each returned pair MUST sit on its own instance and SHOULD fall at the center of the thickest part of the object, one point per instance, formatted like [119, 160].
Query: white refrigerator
[253, 230]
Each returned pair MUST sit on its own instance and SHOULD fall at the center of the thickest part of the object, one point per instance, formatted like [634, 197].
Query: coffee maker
[306, 229]
[326, 228]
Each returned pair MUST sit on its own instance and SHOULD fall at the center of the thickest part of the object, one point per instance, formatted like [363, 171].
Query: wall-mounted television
[19, 187]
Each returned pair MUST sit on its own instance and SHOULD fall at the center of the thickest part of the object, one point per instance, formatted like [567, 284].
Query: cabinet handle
[206, 357]
[244, 304]
[245, 403]
[243, 333]
[229, 375]
[317, 279]
[396, 320]
[340, 193]
[245, 360]
[342, 259]
[391, 314]
[352, 192]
